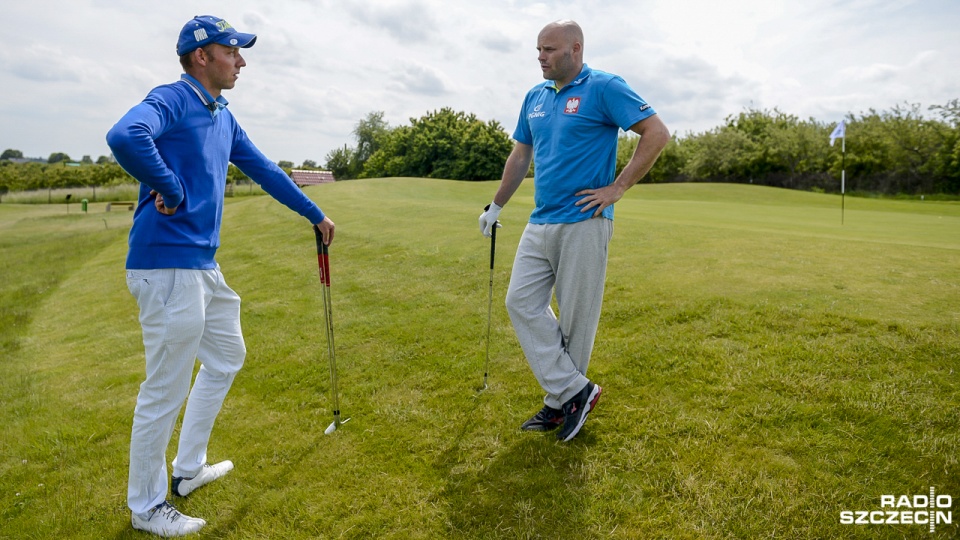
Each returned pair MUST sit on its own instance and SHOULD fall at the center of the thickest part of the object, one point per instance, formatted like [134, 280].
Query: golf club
[323, 260]
[493, 252]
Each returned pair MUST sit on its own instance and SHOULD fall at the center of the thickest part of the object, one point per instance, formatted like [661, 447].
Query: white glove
[489, 217]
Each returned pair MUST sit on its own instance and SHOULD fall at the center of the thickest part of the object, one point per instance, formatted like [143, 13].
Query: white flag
[839, 132]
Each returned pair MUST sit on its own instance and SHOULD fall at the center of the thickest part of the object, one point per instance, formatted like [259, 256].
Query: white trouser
[572, 259]
[185, 315]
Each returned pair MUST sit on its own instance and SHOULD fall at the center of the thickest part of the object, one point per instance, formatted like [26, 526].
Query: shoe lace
[168, 511]
[548, 412]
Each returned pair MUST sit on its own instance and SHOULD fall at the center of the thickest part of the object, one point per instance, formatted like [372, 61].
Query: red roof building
[309, 178]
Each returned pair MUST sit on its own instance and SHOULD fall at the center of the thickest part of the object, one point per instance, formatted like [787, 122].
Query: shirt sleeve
[623, 105]
[522, 133]
[248, 158]
[132, 141]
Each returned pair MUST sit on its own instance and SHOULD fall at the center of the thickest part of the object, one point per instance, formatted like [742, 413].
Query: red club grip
[323, 257]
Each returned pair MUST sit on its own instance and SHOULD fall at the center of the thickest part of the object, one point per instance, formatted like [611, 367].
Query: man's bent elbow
[653, 131]
[121, 142]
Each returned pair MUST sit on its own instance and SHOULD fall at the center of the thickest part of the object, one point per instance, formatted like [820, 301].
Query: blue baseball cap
[203, 30]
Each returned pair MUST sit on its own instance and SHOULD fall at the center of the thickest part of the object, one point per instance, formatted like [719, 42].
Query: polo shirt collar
[213, 105]
[584, 73]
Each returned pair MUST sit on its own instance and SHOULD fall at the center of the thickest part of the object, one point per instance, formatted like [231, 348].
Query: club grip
[321, 247]
[323, 257]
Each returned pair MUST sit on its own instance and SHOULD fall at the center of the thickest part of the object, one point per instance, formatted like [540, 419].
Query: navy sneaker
[548, 419]
[576, 410]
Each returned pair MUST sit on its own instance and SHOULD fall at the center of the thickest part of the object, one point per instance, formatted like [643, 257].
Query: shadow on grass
[531, 486]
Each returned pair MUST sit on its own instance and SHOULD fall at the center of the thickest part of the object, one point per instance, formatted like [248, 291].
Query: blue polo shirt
[574, 133]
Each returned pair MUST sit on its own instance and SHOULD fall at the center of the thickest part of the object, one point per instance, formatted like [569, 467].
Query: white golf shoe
[184, 486]
[166, 521]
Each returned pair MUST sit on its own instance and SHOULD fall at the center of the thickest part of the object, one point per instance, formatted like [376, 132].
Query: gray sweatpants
[572, 259]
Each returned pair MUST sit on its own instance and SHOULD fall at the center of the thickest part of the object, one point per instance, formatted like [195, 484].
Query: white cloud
[418, 79]
[39, 63]
[408, 21]
[70, 70]
[884, 73]
[499, 43]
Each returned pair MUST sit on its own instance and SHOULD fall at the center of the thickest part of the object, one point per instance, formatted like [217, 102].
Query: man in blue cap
[178, 143]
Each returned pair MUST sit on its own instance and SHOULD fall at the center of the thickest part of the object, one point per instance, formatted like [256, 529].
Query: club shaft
[493, 252]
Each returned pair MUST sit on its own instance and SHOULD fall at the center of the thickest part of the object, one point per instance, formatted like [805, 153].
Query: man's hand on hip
[599, 198]
[158, 203]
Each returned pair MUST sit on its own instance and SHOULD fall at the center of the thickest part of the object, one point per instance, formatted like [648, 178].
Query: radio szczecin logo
[931, 510]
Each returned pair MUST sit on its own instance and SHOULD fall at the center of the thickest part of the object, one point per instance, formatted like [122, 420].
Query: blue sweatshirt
[179, 141]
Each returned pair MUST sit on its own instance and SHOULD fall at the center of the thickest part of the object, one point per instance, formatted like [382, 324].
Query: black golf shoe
[547, 419]
[575, 411]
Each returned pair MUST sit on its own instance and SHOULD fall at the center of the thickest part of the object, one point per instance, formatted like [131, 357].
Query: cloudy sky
[70, 69]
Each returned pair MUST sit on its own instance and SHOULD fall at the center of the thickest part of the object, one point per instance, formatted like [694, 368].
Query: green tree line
[33, 175]
[890, 152]
[441, 144]
[899, 151]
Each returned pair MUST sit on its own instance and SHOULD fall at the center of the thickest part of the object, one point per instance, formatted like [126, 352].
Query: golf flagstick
[323, 261]
[493, 252]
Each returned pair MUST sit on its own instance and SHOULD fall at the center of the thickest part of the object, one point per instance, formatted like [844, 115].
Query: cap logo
[205, 29]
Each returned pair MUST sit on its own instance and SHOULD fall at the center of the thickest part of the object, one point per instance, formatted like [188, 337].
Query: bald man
[568, 126]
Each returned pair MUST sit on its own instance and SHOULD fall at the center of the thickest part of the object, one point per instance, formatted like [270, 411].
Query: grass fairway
[765, 368]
